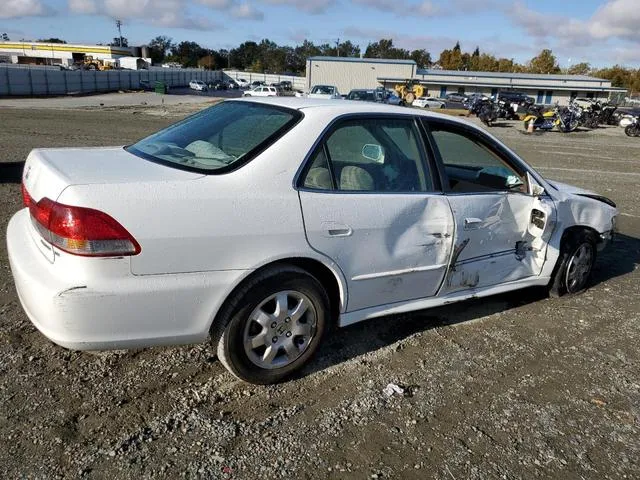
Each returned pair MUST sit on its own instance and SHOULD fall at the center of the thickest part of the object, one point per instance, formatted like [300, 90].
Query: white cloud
[246, 11]
[83, 7]
[218, 4]
[162, 13]
[404, 8]
[23, 8]
[308, 6]
[616, 19]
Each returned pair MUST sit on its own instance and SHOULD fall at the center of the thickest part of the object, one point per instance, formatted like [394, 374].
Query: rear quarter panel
[234, 221]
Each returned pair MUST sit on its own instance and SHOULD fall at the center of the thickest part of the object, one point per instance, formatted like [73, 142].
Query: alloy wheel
[579, 267]
[280, 329]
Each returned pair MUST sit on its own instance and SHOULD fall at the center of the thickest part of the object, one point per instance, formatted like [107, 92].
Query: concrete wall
[47, 81]
[299, 83]
[349, 75]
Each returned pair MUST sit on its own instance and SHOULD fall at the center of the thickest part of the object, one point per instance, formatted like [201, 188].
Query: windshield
[323, 89]
[221, 138]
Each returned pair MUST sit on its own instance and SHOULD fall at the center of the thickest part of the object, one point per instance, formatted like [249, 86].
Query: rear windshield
[218, 139]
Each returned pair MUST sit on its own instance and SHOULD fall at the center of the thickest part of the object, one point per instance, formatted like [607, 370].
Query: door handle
[440, 235]
[472, 222]
[340, 232]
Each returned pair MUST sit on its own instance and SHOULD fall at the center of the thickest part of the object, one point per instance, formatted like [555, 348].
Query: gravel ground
[513, 386]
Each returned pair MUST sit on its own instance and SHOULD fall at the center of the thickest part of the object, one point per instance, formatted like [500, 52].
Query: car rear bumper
[87, 310]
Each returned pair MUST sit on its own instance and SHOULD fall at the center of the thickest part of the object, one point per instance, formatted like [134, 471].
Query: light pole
[119, 25]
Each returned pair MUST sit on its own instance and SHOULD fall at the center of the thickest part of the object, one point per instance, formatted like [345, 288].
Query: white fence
[42, 81]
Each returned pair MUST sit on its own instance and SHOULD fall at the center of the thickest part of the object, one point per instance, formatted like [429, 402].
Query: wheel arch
[330, 278]
[575, 229]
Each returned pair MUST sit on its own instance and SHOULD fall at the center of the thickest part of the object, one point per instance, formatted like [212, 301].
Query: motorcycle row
[565, 118]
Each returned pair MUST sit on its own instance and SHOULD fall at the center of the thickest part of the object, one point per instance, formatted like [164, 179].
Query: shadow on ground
[11, 172]
[342, 344]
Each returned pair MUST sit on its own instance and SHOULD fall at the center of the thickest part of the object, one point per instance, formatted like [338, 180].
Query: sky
[600, 32]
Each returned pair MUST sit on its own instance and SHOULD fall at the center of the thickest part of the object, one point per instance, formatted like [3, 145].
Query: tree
[384, 49]
[117, 40]
[51, 40]
[579, 69]
[544, 62]
[159, 48]
[188, 53]
[5, 37]
[422, 58]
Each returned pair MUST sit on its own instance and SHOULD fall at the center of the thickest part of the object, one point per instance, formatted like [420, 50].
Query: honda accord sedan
[257, 223]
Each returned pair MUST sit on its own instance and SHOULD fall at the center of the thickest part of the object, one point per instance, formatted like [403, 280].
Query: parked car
[256, 226]
[257, 83]
[242, 83]
[428, 102]
[262, 92]
[325, 91]
[379, 95]
[455, 97]
[218, 85]
[286, 85]
[232, 84]
[198, 85]
[516, 97]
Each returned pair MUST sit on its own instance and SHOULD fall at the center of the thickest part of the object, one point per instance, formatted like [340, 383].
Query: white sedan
[257, 223]
[198, 85]
[428, 102]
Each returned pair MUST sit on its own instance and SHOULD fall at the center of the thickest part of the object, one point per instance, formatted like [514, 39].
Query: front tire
[273, 325]
[575, 264]
[631, 130]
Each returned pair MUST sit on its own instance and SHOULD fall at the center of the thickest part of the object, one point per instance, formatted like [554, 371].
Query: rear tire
[575, 264]
[272, 325]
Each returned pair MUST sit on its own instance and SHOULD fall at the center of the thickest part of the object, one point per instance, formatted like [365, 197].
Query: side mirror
[373, 152]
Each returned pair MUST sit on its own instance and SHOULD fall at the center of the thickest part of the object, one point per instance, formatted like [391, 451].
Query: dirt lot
[514, 386]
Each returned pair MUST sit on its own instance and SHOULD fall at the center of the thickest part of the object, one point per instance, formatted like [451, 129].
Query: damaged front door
[501, 226]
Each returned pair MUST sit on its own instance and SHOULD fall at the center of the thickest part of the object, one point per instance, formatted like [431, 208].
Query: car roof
[334, 108]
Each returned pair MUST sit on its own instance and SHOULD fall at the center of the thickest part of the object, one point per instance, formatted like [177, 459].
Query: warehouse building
[63, 54]
[350, 73]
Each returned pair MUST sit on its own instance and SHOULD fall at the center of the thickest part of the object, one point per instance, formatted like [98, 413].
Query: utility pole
[119, 25]
[338, 47]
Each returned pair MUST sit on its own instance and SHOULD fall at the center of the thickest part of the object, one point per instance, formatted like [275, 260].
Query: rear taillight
[79, 230]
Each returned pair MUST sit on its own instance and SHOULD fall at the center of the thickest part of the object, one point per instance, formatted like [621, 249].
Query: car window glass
[471, 165]
[381, 155]
[318, 177]
[216, 137]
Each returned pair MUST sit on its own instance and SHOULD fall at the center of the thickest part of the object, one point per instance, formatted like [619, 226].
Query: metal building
[64, 54]
[350, 73]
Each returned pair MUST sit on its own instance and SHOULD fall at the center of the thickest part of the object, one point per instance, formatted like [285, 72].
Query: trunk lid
[48, 172]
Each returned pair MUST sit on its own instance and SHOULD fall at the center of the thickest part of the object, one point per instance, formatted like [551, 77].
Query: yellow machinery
[409, 91]
[91, 63]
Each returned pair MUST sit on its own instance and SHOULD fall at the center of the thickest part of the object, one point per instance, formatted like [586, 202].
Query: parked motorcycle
[565, 118]
[484, 109]
[633, 129]
[507, 110]
[596, 114]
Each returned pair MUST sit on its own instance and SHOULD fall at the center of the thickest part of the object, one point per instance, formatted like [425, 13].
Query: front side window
[471, 165]
[217, 138]
[370, 155]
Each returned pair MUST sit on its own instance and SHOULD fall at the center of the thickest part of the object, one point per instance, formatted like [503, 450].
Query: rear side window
[218, 139]
[370, 155]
